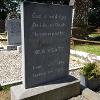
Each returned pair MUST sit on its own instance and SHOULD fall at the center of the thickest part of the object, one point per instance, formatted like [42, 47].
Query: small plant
[90, 71]
[5, 88]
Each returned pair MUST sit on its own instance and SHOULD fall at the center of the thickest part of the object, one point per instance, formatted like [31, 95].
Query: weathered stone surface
[45, 42]
[45, 53]
[10, 67]
[56, 90]
[13, 28]
[19, 49]
[11, 47]
[90, 95]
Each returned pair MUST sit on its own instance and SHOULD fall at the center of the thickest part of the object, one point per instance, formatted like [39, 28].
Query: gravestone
[13, 28]
[46, 41]
[45, 52]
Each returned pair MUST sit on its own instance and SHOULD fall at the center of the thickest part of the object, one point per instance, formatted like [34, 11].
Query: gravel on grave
[10, 66]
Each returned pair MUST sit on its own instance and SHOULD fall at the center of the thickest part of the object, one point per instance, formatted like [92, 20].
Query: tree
[3, 10]
[94, 14]
[8, 6]
[49, 1]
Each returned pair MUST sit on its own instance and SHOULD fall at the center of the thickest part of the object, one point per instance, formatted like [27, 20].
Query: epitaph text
[45, 42]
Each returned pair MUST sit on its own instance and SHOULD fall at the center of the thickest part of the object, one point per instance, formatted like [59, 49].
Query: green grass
[5, 93]
[93, 49]
[94, 34]
[6, 88]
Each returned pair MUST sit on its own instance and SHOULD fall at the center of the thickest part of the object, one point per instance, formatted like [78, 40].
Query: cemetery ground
[3, 36]
[45, 33]
[90, 48]
[86, 47]
[3, 40]
[10, 74]
[10, 68]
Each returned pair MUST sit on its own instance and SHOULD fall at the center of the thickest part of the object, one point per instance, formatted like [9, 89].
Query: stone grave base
[11, 47]
[19, 49]
[1, 47]
[57, 90]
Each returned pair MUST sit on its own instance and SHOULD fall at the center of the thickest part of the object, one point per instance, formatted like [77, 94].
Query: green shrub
[90, 70]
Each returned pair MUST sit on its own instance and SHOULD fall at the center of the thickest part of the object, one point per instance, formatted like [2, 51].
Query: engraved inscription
[49, 50]
[36, 15]
[46, 41]
[37, 34]
[44, 47]
[44, 25]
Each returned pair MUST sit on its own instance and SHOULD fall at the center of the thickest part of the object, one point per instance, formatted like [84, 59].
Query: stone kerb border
[11, 83]
[90, 95]
[85, 55]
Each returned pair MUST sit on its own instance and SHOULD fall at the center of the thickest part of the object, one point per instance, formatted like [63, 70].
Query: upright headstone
[45, 42]
[13, 28]
[45, 51]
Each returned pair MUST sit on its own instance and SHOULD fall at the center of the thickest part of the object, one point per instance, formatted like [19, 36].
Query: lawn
[94, 35]
[93, 49]
[5, 93]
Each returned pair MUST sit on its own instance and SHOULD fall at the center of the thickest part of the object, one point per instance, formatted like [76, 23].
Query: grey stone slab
[1, 47]
[19, 49]
[11, 47]
[55, 90]
[13, 28]
[45, 42]
[90, 95]
[71, 3]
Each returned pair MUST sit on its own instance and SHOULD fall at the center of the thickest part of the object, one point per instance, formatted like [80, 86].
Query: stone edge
[18, 92]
